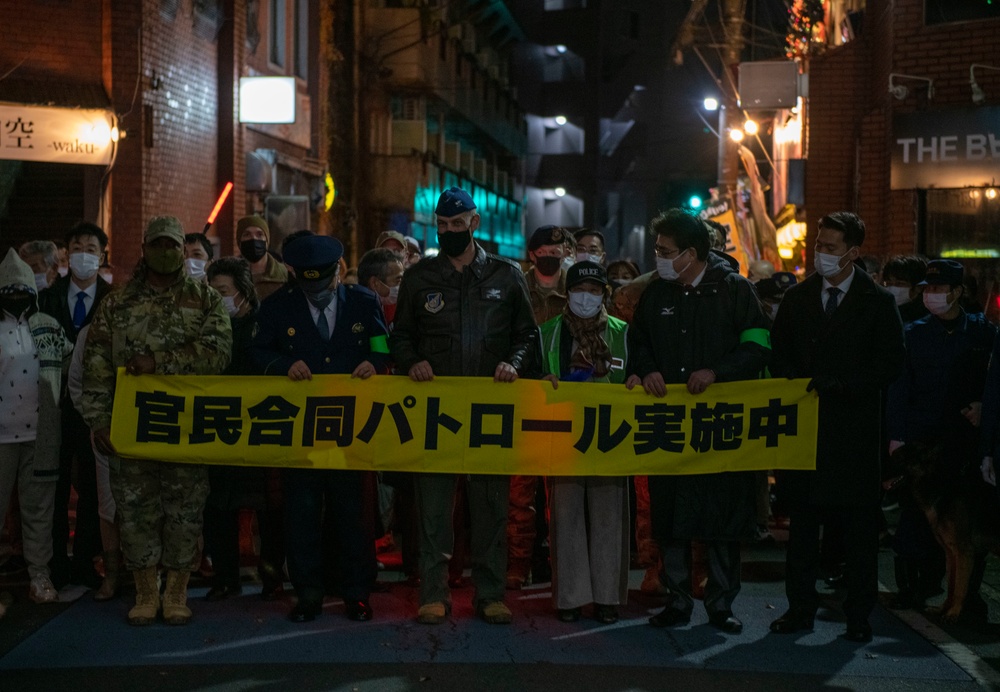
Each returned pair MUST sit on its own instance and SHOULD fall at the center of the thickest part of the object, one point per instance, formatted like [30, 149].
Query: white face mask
[937, 303]
[392, 297]
[231, 306]
[568, 262]
[106, 276]
[900, 293]
[585, 257]
[84, 265]
[195, 268]
[666, 268]
[583, 304]
[41, 281]
[828, 266]
[63, 271]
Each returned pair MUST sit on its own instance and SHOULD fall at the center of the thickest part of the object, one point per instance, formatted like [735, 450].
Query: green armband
[757, 336]
[379, 344]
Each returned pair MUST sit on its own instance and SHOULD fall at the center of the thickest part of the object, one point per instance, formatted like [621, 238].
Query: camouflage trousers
[159, 513]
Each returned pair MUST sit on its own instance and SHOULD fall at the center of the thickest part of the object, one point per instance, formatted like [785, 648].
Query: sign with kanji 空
[465, 425]
[56, 135]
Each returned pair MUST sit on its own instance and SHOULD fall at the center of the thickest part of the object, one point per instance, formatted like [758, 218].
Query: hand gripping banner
[465, 425]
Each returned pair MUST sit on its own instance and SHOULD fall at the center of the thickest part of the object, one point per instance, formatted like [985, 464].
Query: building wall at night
[851, 119]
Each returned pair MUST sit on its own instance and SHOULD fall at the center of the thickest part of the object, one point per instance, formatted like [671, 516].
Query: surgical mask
[319, 292]
[393, 295]
[621, 282]
[666, 269]
[253, 249]
[937, 303]
[827, 265]
[63, 271]
[454, 243]
[84, 265]
[568, 262]
[586, 257]
[585, 305]
[107, 276]
[41, 281]
[548, 265]
[231, 307]
[195, 268]
[164, 261]
[900, 293]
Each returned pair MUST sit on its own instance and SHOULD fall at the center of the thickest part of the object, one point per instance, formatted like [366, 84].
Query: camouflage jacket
[185, 328]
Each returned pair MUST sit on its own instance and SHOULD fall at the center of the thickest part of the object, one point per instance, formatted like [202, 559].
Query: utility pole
[732, 23]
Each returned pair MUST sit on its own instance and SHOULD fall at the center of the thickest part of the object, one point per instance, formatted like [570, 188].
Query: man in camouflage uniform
[163, 323]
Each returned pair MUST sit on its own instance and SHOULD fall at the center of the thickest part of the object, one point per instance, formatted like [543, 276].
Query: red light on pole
[218, 206]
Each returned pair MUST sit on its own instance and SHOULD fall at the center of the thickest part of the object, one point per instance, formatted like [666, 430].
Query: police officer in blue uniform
[320, 326]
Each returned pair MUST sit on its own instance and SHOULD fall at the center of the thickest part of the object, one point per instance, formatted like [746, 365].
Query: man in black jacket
[71, 299]
[843, 331]
[698, 323]
[465, 313]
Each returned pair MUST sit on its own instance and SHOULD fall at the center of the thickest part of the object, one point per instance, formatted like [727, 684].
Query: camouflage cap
[164, 226]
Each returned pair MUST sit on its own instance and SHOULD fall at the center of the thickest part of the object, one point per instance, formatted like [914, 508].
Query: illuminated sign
[267, 99]
[57, 135]
[946, 149]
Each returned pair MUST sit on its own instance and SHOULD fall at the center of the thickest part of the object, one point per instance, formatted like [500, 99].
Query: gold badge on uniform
[291, 331]
[357, 328]
[310, 274]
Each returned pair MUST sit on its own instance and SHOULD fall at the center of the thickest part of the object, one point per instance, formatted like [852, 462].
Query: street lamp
[560, 120]
[711, 104]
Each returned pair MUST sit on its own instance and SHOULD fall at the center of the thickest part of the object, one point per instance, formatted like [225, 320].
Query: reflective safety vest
[615, 334]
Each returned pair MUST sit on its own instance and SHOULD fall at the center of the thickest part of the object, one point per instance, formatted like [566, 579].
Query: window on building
[944, 11]
[302, 39]
[276, 34]
[963, 223]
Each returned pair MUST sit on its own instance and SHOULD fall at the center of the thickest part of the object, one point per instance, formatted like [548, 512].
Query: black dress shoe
[222, 592]
[359, 611]
[606, 614]
[859, 632]
[793, 621]
[669, 617]
[726, 622]
[305, 611]
[568, 614]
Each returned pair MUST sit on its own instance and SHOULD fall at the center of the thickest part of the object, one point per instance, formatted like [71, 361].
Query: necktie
[79, 310]
[323, 325]
[831, 302]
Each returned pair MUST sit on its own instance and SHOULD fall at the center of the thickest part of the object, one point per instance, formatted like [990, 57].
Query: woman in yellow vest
[589, 524]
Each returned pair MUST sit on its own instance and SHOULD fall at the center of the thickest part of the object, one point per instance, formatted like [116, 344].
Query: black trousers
[309, 494]
[87, 536]
[860, 526]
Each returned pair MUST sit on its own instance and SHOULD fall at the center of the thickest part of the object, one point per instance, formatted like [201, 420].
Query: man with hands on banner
[698, 323]
[162, 322]
[463, 313]
[321, 326]
[842, 331]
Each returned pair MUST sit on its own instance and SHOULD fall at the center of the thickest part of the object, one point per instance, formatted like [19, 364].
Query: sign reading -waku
[465, 425]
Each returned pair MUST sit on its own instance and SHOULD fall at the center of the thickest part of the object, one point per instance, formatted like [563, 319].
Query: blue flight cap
[944, 272]
[314, 256]
[454, 201]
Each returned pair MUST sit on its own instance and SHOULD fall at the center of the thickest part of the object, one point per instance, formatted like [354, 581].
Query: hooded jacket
[53, 350]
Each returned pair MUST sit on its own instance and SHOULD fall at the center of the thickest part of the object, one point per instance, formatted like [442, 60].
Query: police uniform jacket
[465, 323]
[944, 372]
[861, 346]
[677, 330]
[286, 333]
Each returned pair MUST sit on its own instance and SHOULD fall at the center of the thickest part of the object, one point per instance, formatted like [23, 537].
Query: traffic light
[695, 202]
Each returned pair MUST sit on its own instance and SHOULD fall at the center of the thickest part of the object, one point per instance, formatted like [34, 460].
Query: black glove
[826, 385]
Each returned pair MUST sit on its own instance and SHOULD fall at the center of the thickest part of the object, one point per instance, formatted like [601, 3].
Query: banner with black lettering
[465, 425]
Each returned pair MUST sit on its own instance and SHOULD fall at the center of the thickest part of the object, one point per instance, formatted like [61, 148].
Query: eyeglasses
[665, 253]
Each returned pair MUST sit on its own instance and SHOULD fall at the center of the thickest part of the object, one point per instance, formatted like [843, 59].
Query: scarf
[592, 353]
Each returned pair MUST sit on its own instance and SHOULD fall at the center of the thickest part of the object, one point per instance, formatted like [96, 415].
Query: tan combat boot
[175, 610]
[112, 566]
[147, 597]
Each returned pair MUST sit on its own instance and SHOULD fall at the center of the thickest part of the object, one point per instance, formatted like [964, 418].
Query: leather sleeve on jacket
[525, 350]
[403, 339]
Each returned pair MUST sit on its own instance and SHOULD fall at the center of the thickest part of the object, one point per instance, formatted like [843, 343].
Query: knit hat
[250, 222]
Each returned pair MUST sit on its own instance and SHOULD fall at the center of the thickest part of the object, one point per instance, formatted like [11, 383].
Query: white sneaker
[42, 591]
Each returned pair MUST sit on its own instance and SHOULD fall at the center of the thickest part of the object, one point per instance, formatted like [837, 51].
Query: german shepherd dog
[962, 512]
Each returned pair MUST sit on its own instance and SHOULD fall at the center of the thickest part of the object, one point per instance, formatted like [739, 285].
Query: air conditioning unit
[769, 84]
[286, 214]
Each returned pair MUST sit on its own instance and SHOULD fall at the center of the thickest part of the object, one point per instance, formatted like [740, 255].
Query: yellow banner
[465, 425]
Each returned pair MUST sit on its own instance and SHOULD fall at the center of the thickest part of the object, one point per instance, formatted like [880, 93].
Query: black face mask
[453, 243]
[253, 249]
[16, 306]
[548, 265]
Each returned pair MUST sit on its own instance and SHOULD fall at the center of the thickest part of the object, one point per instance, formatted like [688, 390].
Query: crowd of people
[570, 317]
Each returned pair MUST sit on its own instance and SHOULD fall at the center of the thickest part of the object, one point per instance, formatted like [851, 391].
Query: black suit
[75, 445]
[853, 355]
